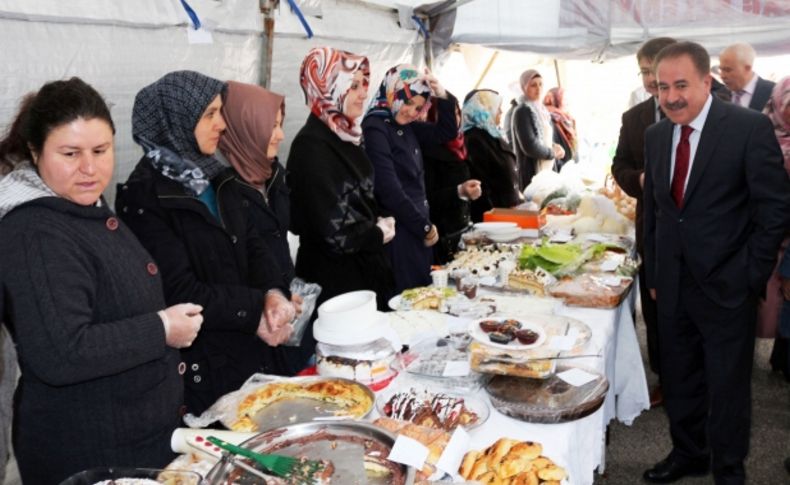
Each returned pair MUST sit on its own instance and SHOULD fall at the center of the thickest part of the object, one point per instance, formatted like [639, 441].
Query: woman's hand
[471, 189]
[436, 86]
[786, 288]
[559, 152]
[387, 226]
[296, 301]
[182, 323]
[432, 237]
[275, 325]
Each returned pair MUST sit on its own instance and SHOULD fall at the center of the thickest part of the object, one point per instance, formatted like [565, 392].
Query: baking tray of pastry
[280, 402]
[550, 400]
[357, 453]
[593, 290]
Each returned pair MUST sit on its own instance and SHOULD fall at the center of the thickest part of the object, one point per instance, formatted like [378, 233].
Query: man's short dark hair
[699, 56]
[650, 49]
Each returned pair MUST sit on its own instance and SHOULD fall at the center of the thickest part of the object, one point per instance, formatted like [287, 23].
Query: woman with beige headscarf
[531, 132]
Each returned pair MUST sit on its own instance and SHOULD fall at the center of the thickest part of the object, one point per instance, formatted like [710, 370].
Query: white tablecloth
[579, 446]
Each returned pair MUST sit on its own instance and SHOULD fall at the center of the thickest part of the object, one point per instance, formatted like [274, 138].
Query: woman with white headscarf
[490, 159]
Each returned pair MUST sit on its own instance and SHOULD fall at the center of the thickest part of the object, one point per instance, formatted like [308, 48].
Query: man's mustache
[679, 104]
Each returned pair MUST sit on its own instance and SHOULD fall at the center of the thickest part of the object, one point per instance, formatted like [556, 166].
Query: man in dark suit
[717, 200]
[628, 170]
[747, 89]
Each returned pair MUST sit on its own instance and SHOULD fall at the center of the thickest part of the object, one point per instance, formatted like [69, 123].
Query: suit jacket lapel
[709, 137]
[665, 157]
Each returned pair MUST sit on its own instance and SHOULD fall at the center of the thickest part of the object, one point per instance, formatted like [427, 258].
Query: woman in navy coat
[392, 137]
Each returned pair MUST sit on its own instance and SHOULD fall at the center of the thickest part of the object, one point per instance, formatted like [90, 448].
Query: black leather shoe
[671, 470]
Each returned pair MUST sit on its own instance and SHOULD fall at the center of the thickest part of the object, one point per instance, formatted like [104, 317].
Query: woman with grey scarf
[187, 210]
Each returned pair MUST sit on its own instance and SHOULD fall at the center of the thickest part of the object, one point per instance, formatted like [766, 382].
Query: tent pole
[488, 68]
[557, 73]
[267, 6]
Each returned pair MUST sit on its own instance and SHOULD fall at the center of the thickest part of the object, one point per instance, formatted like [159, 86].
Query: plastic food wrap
[432, 406]
[550, 400]
[227, 409]
[594, 290]
[443, 362]
[309, 293]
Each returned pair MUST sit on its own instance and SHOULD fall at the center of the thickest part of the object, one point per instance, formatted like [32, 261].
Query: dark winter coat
[271, 216]
[443, 173]
[492, 163]
[334, 213]
[99, 387]
[219, 263]
[399, 184]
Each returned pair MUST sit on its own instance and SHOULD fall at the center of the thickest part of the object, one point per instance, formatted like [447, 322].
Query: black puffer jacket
[220, 263]
[492, 163]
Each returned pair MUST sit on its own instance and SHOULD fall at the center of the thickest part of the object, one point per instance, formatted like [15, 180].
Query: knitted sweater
[99, 387]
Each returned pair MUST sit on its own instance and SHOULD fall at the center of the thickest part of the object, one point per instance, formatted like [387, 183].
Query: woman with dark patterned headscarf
[334, 212]
[186, 208]
[393, 136]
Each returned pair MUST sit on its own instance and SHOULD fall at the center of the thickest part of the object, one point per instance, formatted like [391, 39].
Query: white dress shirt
[697, 124]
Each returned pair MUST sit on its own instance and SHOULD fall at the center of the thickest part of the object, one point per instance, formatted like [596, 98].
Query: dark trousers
[706, 364]
[650, 314]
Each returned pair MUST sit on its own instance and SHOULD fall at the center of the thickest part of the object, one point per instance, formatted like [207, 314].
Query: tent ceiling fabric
[591, 29]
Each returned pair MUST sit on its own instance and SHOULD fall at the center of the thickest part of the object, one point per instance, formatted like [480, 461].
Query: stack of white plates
[499, 231]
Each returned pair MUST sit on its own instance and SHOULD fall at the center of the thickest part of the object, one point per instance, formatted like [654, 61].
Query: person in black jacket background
[490, 159]
[187, 209]
[254, 118]
[449, 188]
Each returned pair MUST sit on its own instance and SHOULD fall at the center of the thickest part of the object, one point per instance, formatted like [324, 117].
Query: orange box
[524, 218]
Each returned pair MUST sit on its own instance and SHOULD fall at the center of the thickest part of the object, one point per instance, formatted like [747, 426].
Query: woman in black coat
[393, 136]
[83, 300]
[449, 189]
[254, 118]
[334, 212]
[490, 159]
[188, 211]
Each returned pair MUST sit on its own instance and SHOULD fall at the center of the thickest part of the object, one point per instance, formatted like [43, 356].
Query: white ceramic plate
[394, 303]
[505, 236]
[495, 227]
[478, 334]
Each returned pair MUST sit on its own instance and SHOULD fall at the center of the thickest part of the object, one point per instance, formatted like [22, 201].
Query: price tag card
[408, 451]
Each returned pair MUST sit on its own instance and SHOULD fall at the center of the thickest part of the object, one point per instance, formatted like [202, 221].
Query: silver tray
[347, 457]
[300, 410]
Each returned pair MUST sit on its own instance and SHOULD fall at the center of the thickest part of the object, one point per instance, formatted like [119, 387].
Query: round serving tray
[299, 410]
[549, 400]
[345, 455]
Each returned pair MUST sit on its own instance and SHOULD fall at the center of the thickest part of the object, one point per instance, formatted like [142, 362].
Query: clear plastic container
[366, 363]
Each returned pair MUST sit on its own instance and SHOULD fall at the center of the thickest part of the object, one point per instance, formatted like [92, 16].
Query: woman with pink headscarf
[564, 125]
[333, 209]
[774, 309]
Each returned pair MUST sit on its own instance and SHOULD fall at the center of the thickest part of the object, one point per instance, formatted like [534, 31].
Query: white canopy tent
[121, 46]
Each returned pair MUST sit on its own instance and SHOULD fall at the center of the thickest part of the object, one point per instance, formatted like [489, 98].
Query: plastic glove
[182, 323]
[387, 226]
